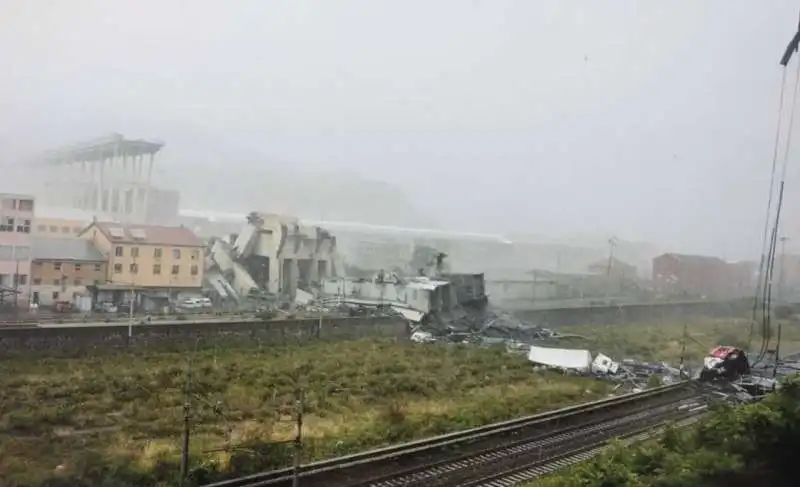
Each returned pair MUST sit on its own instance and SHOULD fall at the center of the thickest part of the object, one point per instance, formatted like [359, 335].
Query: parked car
[105, 307]
[189, 303]
[195, 303]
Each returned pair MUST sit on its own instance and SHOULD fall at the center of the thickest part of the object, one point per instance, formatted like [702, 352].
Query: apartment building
[64, 267]
[16, 219]
[151, 258]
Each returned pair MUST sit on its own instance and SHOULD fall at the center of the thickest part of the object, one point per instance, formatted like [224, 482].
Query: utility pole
[187, 408]
[777, 351]
[612, 243]
[782, 267]
[298, 439]
[683, 349]
[16, 284]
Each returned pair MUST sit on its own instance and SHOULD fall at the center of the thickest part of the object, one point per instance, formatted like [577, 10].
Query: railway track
[510, 466]
[527, 473]
[486, 453]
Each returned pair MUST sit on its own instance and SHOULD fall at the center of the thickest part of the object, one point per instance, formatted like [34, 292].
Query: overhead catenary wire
[769, 206]
[767, 266]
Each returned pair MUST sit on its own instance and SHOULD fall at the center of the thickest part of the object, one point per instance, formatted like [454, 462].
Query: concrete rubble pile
[482, 326]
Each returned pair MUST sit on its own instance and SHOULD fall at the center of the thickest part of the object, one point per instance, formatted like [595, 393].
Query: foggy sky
[646, 120]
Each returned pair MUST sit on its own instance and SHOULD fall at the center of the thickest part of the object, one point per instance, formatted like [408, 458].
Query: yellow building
[149, 257]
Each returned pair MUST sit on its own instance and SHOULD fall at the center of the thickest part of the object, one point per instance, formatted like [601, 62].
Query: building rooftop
[4, 194]
[603, 263]
[148, 234]
[694, 259]
[49, 248]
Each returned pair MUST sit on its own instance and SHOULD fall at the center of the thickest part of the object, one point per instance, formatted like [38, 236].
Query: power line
[769, 205]
[767, 266]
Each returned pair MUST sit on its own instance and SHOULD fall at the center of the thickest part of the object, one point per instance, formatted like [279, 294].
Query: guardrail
[430, 445]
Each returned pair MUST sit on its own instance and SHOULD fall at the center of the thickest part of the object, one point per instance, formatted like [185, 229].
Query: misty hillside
[215, 174]
[313, 195]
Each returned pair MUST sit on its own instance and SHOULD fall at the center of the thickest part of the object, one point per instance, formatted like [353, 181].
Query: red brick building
[697, 276]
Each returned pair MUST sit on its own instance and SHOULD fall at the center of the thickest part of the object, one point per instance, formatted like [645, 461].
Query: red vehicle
[724, 362]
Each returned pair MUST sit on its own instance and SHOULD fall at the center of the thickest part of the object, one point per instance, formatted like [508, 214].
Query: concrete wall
[187, 335]
[628, 313]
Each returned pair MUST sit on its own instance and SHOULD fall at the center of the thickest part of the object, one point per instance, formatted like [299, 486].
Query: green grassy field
[67, 416]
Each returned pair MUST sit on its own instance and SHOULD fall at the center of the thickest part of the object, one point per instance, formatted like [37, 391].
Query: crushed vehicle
[724, 362]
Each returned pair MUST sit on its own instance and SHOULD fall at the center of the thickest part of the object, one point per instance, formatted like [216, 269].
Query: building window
[119, 252]
[41, 228]
[194, 270]
[23, 279]
[8, 225]
[157, 252]
[76, 230]
[4, 279]
[176, 269]
[65, 229]
[9, 204]
[98, 267]
[117, 268]
[77, 282]
[57, 266]
[176, 253]
[55, 294]
[37, 281]
[134, 252]
[53, 229]
[195, 254]
[156, 269]
[56, 282]
[25, 205]
[77, 267]
[6, 252]
[134, 268]
[25, 227]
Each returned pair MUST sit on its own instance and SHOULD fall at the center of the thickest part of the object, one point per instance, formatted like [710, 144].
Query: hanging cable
[769, 208]
[766, 328]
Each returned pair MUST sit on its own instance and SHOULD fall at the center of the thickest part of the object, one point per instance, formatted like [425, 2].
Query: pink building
[16, 221]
